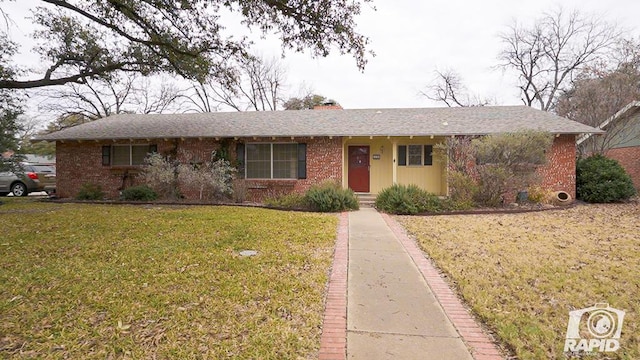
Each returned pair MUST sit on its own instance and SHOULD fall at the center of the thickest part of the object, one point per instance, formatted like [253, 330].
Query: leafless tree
[255, 85]
[150, 98]
[101, 97]
[548, 54]
[447, 87]
[599, 93]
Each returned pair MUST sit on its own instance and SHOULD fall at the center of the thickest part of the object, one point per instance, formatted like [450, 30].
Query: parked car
[30, 178]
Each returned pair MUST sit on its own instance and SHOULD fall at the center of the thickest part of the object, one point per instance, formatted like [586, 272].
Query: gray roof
[630, 109]
[356, 122]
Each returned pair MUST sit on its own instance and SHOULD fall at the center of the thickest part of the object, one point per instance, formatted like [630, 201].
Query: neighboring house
[40, 159]
[621, 142]
[284, 151]
[49, 160]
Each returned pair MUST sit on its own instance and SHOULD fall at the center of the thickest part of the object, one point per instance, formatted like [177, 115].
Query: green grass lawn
[142, 282]
[522, 273]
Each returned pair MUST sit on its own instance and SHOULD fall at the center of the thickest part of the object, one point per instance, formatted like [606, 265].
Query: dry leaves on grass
[523, 273]
[112, 281]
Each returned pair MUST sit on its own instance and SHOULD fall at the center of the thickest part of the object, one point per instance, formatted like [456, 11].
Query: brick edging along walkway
[482, 348]
[333, 342]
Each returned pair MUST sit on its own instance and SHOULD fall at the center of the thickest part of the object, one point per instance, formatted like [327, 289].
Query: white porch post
[394, 154]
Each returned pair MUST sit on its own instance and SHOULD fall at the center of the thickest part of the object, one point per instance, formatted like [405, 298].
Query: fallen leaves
[113, 281]
[522, 273]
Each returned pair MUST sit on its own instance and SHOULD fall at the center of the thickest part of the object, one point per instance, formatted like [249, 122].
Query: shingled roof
[356, 122]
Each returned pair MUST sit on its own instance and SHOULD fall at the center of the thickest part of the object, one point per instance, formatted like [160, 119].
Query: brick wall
[559, 174]
[629, 158]
[324, 162]
[81, 162]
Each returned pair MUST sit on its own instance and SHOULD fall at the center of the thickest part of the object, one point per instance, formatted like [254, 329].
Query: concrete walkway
[391, 311]
[386, 300]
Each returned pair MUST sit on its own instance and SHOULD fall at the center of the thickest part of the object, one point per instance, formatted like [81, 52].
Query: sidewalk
[397, 305]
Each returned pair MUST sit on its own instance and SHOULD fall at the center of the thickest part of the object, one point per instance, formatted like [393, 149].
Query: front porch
[372, 163]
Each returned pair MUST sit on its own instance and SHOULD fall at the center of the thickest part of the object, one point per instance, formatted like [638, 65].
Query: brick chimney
[328, 105]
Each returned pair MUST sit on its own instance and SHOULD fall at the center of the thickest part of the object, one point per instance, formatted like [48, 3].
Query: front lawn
[143, 282]
[523, 273]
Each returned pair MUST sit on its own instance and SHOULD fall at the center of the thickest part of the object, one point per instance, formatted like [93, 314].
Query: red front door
[359, 168]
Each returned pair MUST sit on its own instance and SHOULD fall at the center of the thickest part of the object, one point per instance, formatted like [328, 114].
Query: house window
[415, 155]
[275, 161]
[126, 155]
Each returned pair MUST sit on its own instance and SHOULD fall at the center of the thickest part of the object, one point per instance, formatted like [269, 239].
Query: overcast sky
[411, 39]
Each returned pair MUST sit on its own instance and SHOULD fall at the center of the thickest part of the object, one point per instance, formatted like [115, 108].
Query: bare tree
[149, 98]
[547, 55]
[116, 94]
[598, 94]
[255, 84]
[447, 87]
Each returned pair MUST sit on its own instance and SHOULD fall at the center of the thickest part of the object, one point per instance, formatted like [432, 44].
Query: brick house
[621, 142]
[284, 151]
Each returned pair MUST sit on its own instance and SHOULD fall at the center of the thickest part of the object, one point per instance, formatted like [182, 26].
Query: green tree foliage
[10, 109]
[517, 151]
[602, 180]
[80, 39]
[306, 102]
[42, 148]
[10, 102]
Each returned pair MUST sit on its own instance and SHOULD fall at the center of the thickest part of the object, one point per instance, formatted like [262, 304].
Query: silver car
[31, 178]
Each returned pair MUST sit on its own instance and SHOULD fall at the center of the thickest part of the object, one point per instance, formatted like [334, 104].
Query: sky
[411, 39]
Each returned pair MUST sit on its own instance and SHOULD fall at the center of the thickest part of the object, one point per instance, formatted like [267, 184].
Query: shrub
[212, 179]
[90, 191]
[424, 200]
[240, 189]
[519, 151]
[287, 201]
[407, 200]
[493, 181]
[462, 190]
[451, 205]
[139, 193]
[483, 169]
[161, 174]
[602, 180]
[396, 200]
[539, 195]
[330, 197]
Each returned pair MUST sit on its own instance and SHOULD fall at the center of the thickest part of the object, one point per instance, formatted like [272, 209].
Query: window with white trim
[415, 155]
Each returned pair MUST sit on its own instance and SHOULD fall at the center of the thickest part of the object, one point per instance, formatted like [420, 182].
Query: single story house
[622, 141]
[283, 151]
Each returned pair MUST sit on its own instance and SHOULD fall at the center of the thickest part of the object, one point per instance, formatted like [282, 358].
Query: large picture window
[415, 155]
[126, 155]
[275, 161]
